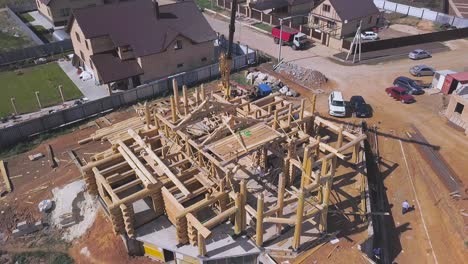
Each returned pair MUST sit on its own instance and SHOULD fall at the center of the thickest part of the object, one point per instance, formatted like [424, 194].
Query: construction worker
[405, 206]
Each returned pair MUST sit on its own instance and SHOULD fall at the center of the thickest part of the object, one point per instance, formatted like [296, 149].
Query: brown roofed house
[130, 43]
[58, 11]
[341, 18]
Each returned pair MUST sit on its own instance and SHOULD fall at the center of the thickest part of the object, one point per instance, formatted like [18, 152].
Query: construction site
[247, 168]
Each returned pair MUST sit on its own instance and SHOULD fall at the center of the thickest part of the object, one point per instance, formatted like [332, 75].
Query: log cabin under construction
[202, 179]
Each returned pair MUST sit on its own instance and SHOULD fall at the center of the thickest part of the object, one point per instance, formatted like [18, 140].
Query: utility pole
[38, 100]
[13, 100]
[356, 44]
[280, 43]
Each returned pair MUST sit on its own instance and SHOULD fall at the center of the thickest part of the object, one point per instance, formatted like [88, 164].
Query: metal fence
[22, 131]
[39, 51]
[422, 13]
[24, 27]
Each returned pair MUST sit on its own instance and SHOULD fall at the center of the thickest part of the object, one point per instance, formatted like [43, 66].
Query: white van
[336, 104]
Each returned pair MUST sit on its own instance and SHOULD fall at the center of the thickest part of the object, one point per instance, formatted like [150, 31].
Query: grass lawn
[10, 42]
[26, 17]
[43, 78]
[263, 26]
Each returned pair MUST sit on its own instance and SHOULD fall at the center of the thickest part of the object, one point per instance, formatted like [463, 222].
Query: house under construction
[202, 179]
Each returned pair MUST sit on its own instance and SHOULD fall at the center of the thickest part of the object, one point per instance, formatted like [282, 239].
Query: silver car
[419, 54]
[422, 70]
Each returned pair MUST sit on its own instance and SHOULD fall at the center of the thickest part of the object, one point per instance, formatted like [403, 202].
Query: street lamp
[281, 34]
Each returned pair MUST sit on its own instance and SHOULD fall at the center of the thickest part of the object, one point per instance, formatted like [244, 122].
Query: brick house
[58, 11]
[130, 43]
[340, 18]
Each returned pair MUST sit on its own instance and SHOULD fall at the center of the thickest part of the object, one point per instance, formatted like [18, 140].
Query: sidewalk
[39, 20]
[88, 88]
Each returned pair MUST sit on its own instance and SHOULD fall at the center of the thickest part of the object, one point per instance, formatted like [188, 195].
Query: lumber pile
[115, 131]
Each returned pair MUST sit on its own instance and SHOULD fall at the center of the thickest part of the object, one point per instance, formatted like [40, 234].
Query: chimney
[156, 9]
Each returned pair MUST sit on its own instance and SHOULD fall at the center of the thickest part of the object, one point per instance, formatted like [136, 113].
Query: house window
[203, 59]
[370, 19]
[331, 24]
[82, 56]
[178, 45]
[316, 20]
[180, 65]
[64, 12]
[77, 36]
[87, 46]
[459, 108]
[326, 8]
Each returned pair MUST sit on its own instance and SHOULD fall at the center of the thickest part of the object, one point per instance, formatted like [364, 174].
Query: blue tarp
[264, 89]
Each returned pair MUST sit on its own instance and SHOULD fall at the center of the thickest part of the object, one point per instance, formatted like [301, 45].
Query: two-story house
[341, 18]
[136, 42]
[58, 11]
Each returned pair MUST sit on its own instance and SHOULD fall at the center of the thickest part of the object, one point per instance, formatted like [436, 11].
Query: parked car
[410, 85]
[419, 54]
[336, 104]
[422, 70]
[359, 107]
[400, 94]
[369, 35]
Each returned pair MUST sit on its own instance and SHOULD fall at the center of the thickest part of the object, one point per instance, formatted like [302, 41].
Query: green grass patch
[42, 257]
[9, 42]
[43, 33]
[209, 5]
[263, 26]
[22, 85]
[26, 17]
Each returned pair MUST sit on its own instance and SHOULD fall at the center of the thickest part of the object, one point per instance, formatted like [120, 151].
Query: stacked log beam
[128, 218]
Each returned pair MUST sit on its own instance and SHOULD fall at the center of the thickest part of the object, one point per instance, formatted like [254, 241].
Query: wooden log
[280, 199]
[259, 225]
[201, 245]
[5, 177]
[279, 220]
[202, 230]
[220, 218]
[299, 215]
[243, 193]
[51, 156]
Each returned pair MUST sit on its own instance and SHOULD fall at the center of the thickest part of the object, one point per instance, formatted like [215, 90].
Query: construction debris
[24, 228]
[307, 77]
[35, 156]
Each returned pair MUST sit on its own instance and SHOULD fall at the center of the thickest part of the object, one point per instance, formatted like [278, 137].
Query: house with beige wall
[333, 20]
[457, 109]
[131, 43]
[58, 11]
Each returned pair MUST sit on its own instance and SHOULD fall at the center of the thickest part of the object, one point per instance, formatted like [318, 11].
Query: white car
[336, 104]
[369, 35]
[418, 54]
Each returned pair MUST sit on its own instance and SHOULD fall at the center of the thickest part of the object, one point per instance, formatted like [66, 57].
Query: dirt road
[434, 232]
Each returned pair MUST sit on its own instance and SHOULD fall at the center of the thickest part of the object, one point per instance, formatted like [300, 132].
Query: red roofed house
[136, 42]
[58, 11]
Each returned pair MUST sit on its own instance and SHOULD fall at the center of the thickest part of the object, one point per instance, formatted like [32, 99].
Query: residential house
[341, 18]
[289, 7]
[58, 11]
[130, 43]
[456, 112]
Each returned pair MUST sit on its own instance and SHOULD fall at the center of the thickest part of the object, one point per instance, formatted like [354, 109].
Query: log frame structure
[186, 155]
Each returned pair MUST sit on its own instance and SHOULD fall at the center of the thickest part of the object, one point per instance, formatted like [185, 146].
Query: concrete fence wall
[23, 131]
[422, 13]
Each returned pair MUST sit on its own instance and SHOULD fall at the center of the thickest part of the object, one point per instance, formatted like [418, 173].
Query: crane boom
[225, 60]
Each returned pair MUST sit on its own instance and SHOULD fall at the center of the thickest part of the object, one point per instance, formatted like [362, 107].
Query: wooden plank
[75, 159]
[136, 164]
[119, 176]
[6, 179]
[160, 163]
[106, 185]
[278, 220]
[205, 232]
[203, 203]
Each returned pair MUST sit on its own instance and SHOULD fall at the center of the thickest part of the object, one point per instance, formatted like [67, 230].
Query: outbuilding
[439, 78]
[454, 81]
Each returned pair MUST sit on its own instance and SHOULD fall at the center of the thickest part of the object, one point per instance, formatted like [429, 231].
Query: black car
[410, 85]
[359, 107]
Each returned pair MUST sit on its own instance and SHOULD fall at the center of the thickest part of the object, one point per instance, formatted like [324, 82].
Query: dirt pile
[307, 77]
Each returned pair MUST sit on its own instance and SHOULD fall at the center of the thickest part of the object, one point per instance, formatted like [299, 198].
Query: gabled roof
[354, 9]
[135, 23]
[111, 68]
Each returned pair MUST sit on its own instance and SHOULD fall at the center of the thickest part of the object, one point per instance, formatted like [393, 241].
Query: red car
[400, 94]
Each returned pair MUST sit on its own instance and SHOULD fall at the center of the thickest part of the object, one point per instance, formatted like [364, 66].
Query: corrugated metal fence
[22, 131]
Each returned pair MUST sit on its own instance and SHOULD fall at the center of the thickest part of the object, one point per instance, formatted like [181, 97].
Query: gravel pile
[307, 77]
